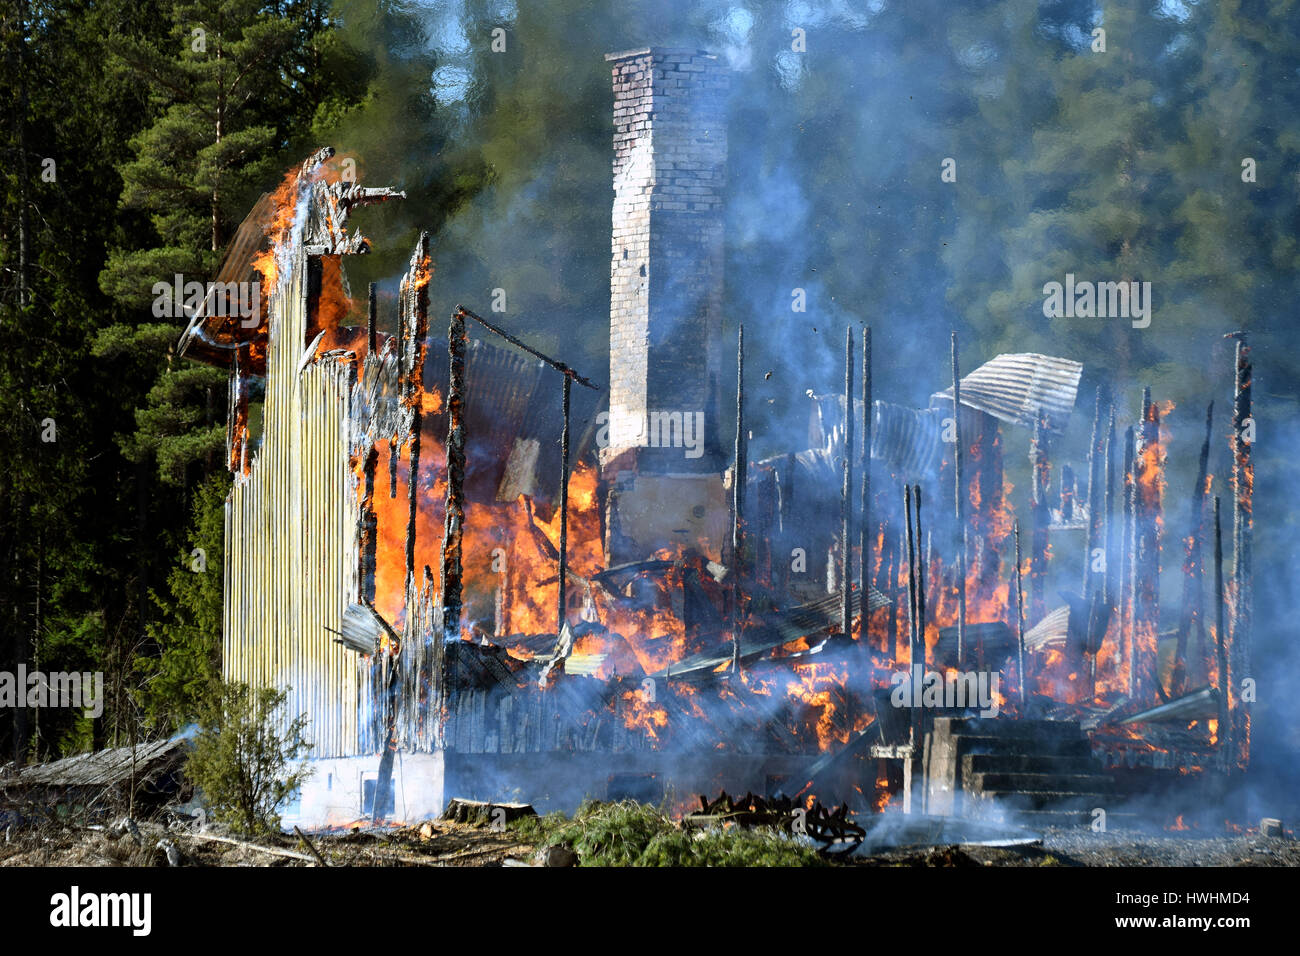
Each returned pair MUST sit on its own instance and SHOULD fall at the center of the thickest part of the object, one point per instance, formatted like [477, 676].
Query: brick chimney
[664, 455]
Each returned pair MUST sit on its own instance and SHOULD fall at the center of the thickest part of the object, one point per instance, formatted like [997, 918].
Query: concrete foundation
[340, 790]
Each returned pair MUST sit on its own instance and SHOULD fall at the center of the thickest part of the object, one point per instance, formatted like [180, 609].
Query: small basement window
[369, 784]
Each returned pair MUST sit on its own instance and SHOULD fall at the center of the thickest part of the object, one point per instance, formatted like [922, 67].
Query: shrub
[243, 761]
[635, 834]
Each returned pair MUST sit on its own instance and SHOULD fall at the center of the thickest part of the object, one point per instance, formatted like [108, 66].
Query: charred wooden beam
[865, 531]
[415, 330]
[912, 613]
[372, 320]
[369, 530]
[889, 564]
[413, 495]
[918, 656]
[454, 521]
[911, 575]
[1111, 538]
[1148, 463]
[959, 500]
[1020, 619]
[1126, 561]
[1069, 494]
[739, 476]
[1041, 462]
[846, 494]
[1220, 636]
[1243, 487]
[1095, 472]
[920, 581]
[1094, 579]
[561, 614]
[394, 456]
[553, 363]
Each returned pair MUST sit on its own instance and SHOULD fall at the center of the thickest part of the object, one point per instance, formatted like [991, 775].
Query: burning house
[482, 574]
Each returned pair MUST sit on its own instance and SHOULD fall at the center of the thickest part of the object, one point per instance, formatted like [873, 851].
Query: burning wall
[291, 526]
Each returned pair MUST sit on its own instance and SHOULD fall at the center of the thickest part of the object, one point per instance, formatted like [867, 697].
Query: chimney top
[658, 51]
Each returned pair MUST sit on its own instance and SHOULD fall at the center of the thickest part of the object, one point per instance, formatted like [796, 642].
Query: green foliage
[635, 834]
[187, 669]
[245, 759]
[219, 111]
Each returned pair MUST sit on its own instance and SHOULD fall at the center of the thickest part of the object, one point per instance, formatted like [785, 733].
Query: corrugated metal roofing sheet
[1018, 387]
[906, 439]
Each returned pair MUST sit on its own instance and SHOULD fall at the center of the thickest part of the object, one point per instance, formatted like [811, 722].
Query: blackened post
[454, 522]
[959, 496]
[738, 476]
[1126, 560]
[1134, 568]
[866, 534]
[911, 576]
[413, 496]
[846, 497]
[562, 611]
[1146, 558]
[369, 531]
[1112, 559]
[394, 455]
[553, 363]
[889, 564]
[920, 582]
[415, 316]
[1107, 543]
[372, 320]
[1220, 636]
[1042, 515]
[918, 656]
[1093, 537]
[913, 674]
[1243, 486]
[1020, 619]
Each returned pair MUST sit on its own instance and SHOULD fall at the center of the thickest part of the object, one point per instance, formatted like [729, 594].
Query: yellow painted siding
[292, 536]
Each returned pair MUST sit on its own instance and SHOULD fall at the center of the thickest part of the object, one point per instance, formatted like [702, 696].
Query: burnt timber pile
[482, 573]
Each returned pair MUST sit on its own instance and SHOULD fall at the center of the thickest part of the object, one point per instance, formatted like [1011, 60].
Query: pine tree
[186, 671]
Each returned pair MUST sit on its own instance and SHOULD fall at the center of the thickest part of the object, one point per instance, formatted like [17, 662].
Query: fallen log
[311, 846]
[243, 844]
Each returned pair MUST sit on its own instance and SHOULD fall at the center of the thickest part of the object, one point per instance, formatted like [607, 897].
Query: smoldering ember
[478, 577]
